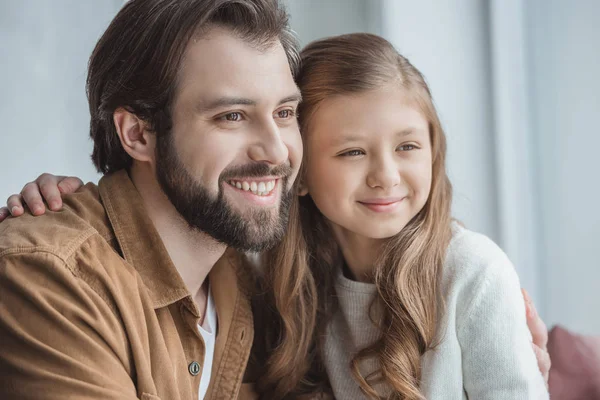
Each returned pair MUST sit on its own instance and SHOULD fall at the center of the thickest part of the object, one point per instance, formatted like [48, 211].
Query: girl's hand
[539, 332]
[46, 187]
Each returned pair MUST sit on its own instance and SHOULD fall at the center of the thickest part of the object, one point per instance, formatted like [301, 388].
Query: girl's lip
[386, 205]
[382, 201]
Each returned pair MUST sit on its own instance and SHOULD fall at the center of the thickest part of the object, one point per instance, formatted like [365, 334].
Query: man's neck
[193, 253]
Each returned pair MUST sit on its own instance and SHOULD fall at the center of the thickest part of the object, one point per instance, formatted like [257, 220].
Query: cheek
[293, 142]
[318, 179]
[421, 181]
[205, 155]
[330, 187]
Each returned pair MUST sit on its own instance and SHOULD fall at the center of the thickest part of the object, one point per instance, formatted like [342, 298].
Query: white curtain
[517, 87]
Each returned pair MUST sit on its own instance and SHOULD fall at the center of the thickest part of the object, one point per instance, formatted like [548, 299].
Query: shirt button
[194, 368]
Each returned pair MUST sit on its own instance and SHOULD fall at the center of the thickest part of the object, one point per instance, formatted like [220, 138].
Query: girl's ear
[301, 186]
[302, 189]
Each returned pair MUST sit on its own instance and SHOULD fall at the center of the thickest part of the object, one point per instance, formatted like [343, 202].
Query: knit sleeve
[498, 361]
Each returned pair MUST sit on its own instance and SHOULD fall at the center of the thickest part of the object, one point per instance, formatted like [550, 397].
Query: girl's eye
[352, 153]
[232, 117]
[407, 147]
[285, 114]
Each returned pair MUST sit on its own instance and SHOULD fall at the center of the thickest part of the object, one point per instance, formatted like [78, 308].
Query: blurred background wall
[515, 82]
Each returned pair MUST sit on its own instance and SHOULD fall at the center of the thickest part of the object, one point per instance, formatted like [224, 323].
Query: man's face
[235, 149]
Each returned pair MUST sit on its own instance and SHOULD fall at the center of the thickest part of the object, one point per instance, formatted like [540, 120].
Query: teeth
[258, 188]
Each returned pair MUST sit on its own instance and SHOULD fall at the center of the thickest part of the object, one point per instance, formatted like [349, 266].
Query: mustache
[256, 170]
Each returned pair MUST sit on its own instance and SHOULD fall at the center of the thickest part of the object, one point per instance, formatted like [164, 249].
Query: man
[110, 298]
[129, 292]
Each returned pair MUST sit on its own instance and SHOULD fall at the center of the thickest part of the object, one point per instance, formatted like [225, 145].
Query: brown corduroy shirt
[92, 307]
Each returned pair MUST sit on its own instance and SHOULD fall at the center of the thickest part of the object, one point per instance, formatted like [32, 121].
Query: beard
[254, 230]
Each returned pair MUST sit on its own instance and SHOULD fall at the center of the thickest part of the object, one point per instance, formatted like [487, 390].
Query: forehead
[374, 113]
[219, 63]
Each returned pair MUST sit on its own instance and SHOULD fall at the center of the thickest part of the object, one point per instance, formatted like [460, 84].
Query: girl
[409, 304]
[419, 306]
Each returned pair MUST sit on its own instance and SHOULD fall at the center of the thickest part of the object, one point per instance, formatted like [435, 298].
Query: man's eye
[232, 117]
[285, 114]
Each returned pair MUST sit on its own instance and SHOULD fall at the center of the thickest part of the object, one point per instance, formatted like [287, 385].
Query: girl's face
[369, 162]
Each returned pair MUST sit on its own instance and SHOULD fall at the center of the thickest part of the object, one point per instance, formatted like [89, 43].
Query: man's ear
[135, 138]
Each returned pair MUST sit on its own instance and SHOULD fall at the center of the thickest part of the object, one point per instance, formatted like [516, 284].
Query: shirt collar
[139, 240]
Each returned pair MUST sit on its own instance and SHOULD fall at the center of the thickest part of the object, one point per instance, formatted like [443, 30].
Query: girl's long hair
[300, 273]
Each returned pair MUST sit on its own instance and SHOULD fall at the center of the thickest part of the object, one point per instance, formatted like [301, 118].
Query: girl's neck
[360, 254]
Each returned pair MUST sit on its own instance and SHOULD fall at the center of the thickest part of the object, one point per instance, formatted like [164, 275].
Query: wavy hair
[408, 273]
[292, 310]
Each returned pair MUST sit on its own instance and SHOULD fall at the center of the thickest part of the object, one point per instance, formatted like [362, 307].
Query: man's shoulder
[74, 249]
[73, 244]
[57, 232]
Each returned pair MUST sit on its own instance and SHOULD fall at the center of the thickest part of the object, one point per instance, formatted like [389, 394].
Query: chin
[379, 233]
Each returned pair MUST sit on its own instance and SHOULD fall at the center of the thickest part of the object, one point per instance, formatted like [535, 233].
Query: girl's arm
[498, 360]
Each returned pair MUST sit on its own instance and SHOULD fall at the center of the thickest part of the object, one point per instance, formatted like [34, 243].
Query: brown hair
[285, 313]
[135, 63]
[408, 274]
[135, 66]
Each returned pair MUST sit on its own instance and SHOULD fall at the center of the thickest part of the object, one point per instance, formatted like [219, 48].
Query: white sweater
[485, 352]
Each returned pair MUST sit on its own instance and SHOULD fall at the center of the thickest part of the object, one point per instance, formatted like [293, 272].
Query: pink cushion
[575, 372]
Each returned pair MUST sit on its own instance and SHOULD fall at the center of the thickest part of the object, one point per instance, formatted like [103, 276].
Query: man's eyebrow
[225, 101]
[228, 101]
[296, 97]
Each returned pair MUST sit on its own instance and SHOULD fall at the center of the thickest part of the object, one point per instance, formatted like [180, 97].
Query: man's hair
[135, 63]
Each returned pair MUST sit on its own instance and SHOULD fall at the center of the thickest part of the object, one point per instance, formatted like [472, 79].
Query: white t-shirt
[208, 330]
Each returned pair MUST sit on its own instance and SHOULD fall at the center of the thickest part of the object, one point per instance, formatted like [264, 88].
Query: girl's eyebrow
[351, 137]
[347, 138]
[408, 131]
